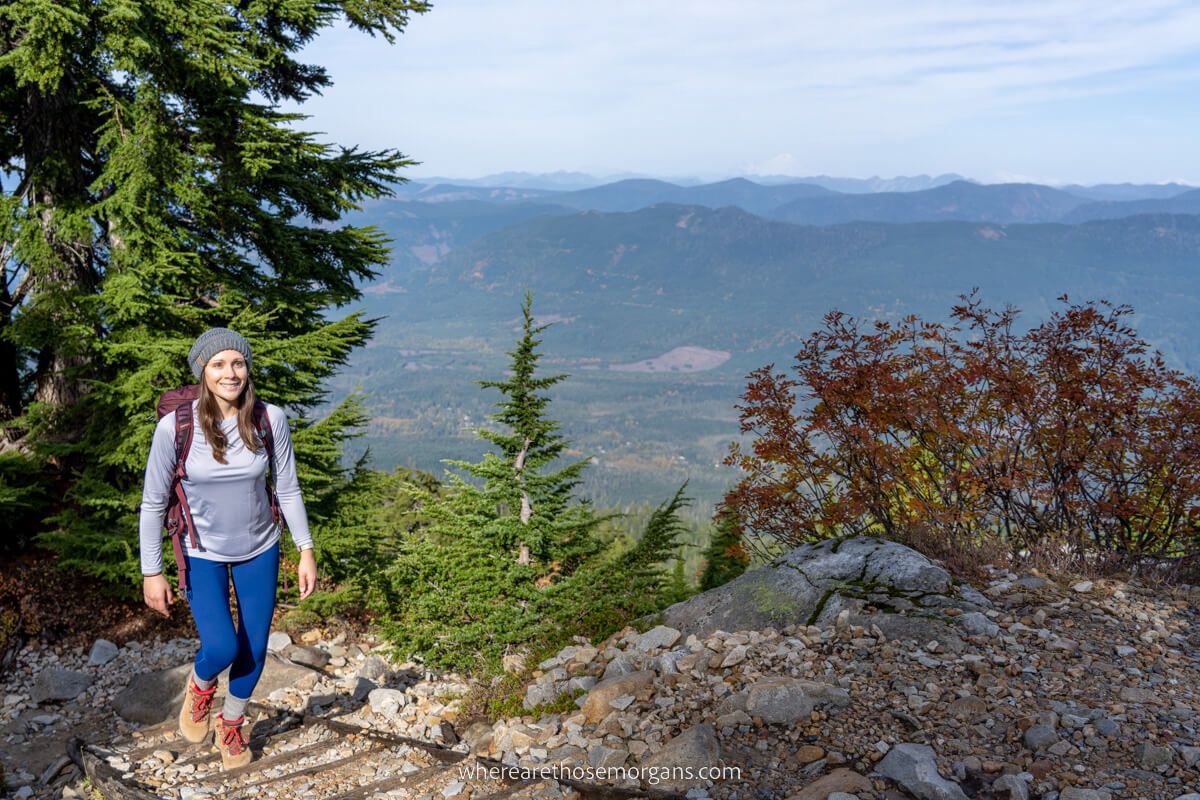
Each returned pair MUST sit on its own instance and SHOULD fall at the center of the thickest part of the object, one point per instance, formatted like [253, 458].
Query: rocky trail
[881, 677]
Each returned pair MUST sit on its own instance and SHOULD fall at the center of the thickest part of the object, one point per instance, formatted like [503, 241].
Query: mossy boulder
[812, 584]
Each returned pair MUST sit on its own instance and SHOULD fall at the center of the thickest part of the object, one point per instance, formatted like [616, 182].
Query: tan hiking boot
[193, 717]
[228, 736]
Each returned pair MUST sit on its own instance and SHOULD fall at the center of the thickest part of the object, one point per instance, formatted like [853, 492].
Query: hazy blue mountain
[423, 233]
[1128, 191]
[1002, 203]
[669, 275]
[1186, 203]
[900, 183]
[450, 192]
[631, 195]
[551, 181]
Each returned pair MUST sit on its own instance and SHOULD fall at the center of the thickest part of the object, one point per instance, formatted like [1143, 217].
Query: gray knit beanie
[213, 341]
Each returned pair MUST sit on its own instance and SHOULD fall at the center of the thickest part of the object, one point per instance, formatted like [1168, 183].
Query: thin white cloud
[701, 86]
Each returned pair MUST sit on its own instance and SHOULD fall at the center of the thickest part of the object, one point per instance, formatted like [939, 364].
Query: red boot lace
[232, 737]
[201, 701]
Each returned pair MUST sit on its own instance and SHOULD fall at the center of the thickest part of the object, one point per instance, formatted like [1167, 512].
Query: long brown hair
[210, 418]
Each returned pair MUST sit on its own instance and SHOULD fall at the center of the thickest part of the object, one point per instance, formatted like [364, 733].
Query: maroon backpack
[179, 514]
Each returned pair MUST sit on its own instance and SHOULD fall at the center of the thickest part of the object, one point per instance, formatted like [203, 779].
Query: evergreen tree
[535, 506]
[149, 194]
[725, 557]
[624, 587]
[475, 579]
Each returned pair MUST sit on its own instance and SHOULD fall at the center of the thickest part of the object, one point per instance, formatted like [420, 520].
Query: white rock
[278, 641]
[735, 656]
[384, 701]
[659, 636]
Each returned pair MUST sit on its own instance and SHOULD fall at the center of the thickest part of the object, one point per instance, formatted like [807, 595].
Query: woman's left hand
[306, 573]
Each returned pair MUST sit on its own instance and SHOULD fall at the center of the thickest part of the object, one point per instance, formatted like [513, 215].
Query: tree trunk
[57, 132]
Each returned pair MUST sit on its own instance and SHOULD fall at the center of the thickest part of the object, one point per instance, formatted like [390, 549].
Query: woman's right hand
[157, 593]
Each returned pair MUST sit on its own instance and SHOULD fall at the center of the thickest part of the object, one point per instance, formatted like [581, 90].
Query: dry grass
[964, 559]
[1055, 557]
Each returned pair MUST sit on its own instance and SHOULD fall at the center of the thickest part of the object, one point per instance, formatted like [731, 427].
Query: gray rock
[153, 697]
[779, 701]
[373, 668]
[537, 694]
[1151, 756]
[621, 665]
[976, 623]
[667, 661]
[1079, 793]
[360, 688]
[56, 683]
[584, 682]
[103, 651]
[1107, 728]
[658, 636]
[1011, 787]
[913, 767]
[682, 754]
[782, 700]
[813, 583]
[277, 674]
[278, 641]
[1039, 737]
[1137, 694]
[1191, 796]
[602, 756]
[309, 656]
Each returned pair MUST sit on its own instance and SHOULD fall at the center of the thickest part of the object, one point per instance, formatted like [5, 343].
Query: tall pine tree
[501, 536]
[152, 189]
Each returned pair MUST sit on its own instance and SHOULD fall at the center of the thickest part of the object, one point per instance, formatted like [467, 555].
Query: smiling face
[226, 375]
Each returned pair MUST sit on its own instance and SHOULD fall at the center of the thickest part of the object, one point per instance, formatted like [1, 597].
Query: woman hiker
[235, 527]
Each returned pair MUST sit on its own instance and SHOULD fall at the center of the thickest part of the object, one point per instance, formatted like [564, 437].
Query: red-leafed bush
[1071, 432]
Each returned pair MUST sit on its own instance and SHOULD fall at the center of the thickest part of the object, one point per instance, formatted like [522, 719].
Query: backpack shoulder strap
[184, 428]
[262, 427]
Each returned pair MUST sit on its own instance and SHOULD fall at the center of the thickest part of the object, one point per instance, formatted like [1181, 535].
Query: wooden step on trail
[312, 757]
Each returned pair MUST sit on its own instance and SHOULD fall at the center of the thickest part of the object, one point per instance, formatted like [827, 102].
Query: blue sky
[1054, 91]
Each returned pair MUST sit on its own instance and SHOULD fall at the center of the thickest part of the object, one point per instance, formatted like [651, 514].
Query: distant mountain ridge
[960, 200]
[1185, 203]
[812, 204]
[1128, 191]
[900, 183]
[632, 195]
[725, 279]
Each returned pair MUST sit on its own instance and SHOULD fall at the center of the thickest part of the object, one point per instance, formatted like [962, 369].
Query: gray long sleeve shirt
[229, 502]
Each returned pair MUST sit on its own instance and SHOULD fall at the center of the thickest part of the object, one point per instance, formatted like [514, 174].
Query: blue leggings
[243, 649]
